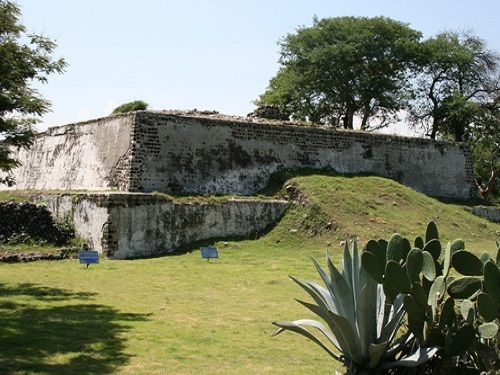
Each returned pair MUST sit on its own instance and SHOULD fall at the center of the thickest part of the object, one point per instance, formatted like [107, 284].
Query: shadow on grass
[56, 331]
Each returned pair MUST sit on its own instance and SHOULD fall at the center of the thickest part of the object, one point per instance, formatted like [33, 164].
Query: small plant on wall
[136, 105]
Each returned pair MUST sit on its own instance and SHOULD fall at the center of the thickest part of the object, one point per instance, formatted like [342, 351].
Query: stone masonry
[131, 225]
[176, 152]
[119, 161]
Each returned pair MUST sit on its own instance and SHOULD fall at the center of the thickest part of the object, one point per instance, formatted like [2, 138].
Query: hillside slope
[329, 209]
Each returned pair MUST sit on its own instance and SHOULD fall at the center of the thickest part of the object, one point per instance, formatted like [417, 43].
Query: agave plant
[361, 328]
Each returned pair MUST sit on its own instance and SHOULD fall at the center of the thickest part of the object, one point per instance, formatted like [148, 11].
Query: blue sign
[208, 252]
[88, 257]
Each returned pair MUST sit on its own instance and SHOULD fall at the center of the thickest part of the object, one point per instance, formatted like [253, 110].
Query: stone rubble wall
[490, 213]
[179, 153]
[28, 221]
[123, 226]
[148, 151]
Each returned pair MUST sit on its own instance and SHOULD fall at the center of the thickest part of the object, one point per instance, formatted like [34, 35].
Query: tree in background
[456, 96]
[344, 67]
[25, 59]
[456, 75]
[485, 147]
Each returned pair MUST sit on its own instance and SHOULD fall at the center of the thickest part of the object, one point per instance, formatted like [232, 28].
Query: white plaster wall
[149, 151]
[139, 225]
[87, 212]
[73, 157]
[150, 229]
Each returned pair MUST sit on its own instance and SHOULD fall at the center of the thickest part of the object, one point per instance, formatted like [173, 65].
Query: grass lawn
[183, 315]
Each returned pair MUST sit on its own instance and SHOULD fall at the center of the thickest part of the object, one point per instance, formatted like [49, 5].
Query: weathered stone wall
[87, 212]
[122, 225]
[490, 213]
[206, 155]
[150, 227]
[170, 152]
[92, 155]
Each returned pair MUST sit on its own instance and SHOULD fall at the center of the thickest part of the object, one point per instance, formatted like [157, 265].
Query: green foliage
[361, 328]
[468, 339]
[341, 67]
[484, 144]
[136, 105]
[456, 75]
[25, 58]
[467, 263]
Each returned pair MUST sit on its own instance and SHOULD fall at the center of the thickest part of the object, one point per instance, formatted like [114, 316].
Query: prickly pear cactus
[420, 274]
[433, 295]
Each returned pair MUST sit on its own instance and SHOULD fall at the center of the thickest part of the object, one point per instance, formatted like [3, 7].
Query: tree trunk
[488, 189]
[349, 118]
[364, 120]
[435, 125]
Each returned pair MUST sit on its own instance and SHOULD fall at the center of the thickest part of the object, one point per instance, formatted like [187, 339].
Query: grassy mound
[183, 315]
[338, 207]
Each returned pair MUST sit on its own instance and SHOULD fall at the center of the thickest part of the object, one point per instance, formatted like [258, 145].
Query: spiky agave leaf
[297, 326]
[396, 314]
[419, 357]
[343, 331]
[366, 317]
[359, 322]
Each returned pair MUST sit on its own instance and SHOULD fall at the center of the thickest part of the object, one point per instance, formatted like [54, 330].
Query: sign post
[88, 257]
[208, 252]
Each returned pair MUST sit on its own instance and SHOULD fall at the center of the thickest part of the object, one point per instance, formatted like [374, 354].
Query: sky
[210, 55]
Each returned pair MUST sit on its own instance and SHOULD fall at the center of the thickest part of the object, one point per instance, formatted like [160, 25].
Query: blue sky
[216, 55]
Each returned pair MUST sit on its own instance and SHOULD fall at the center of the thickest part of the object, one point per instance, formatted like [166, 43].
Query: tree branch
[488, 189]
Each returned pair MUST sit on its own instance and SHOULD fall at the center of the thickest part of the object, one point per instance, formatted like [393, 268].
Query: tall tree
[342, 67]
[24, 59]
[456, 75]
[485, 147]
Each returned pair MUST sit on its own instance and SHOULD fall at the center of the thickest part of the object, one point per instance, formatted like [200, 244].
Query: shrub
[452, 321]
[458, 315]
[361, 328]
[24, 223]
[136, 105]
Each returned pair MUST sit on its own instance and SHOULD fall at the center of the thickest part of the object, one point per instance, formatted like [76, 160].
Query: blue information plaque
[88, 257]
[209, 252]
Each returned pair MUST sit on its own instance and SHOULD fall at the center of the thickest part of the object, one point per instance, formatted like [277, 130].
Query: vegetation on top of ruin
[136, 105]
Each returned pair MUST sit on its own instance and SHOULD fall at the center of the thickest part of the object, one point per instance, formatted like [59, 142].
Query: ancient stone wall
[87, 212]
[179, 153]
[491, 213]
[127, 225]
[92, 155]
[173, 152]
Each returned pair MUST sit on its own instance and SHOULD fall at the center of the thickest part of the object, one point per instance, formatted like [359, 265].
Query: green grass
[183, 315]
[27, 196]
[32, 247]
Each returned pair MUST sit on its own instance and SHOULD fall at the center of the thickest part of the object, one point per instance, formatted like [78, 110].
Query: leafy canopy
[342, 67]
[25, 59]
[456, 75]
